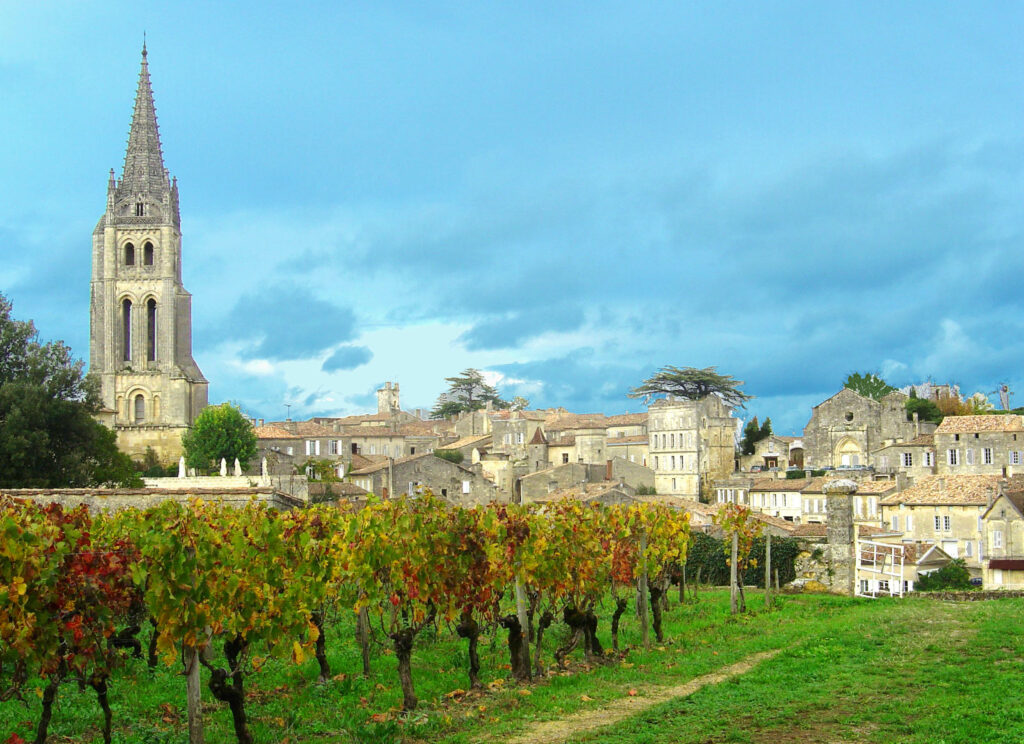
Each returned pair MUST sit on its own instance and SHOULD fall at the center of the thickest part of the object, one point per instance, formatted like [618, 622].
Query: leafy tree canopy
[519, 403]
[754, 433]
[451, 455]
[954, 575]
[868, 384]
[467, 391]
[219, 432]
[48, 436]
[691, 383]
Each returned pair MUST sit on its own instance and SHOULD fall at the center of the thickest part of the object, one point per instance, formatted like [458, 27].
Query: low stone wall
[114, 499]
[968, 596]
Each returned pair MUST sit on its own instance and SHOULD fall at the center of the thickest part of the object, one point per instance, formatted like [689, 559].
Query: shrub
[450, 455]
[954, 575]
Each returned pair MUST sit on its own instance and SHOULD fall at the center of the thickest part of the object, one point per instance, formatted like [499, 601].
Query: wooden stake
[193, 697]
[733, 572]
[768, 569]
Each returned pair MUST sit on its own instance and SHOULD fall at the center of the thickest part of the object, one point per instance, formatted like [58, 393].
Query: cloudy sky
[567, 195]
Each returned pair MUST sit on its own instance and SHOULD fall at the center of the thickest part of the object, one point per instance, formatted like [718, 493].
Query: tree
[925, 409]
[869, 385]
[451, 455]
[751, 436]
[954, 575]
[467, 391]
[691, 383]
[519, 403]
[48, 436]
[219, 432]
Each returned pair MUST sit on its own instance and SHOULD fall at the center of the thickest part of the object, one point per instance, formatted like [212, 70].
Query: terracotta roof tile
[966, 490]
[988, 422]
[632, 439]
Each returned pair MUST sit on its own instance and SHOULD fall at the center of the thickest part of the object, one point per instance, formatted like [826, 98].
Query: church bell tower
[141, 315]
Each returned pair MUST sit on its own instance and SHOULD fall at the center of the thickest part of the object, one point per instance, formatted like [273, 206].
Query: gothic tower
[141, 315]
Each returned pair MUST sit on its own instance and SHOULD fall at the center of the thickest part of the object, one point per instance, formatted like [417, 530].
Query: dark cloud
[347, 357]
[517, 327]
[287, 323]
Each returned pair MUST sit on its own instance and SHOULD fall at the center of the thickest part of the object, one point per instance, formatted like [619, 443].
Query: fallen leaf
[524, 692]
[632, 693]
[586, 698]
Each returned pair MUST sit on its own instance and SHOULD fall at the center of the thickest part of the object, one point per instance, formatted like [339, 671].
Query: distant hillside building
[691, 444]
[140, 314]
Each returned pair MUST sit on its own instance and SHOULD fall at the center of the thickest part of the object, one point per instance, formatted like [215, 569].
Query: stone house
[512, 431]
[915, 458]
[632, 447]
[947, 510]
[1003, 527]
[865, 500]
[770, 453]
[779, 497]
[845, 429]
[605, 494]
[692, 444]
[888, 568]
[980, 445]
[414, 473]
[288, 445]
[732, 490]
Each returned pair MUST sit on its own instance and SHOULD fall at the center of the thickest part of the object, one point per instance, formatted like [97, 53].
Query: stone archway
[848, 452]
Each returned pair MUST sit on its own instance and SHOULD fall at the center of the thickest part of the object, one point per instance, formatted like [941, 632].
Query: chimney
[261, 422]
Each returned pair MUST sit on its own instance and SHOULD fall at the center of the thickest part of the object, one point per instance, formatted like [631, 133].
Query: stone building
[140, 314]
[692, 443]
[845, 429]
[413, 474]
[915, 458]
[770, 453]
[1003, 527]
[947, 510]
[980, 445]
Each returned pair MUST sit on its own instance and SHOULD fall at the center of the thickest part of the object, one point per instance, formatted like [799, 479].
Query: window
[129, 254]
[967, 548]
[565, 459]
[945, 523]
[147, 254]
[953, 457]
[908, 459]
[895, 523]
[519, 437]
[333, 446]
[997, 538]
[908, 520]
[673, 463]
[969, 456]
[956, 437]
[140, 209]
[1014, 458]
[673, 484]
[863, 586]
[672, 440]
[140, 409]
[291, 450]
[938, 523]
[849, 415]
[929, 459]
[997, 576]
[986, 456]
[126, 330]
[151, 330]
[883, 585]
[655, 460]
[465, 486]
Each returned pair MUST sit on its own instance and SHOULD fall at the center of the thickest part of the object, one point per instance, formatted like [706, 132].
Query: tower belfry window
[140, 209]
[140, 409]
[126, 330]
[147, 254]
[151, 330]
[129, 254]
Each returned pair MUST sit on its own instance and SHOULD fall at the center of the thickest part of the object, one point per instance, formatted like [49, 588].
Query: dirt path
[549, 732]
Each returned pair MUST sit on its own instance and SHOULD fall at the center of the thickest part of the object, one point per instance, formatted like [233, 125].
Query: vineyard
[233, 590]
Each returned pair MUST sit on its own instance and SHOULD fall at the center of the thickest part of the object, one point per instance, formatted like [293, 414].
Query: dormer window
[129, 254]
[147, 254]
[140, 209]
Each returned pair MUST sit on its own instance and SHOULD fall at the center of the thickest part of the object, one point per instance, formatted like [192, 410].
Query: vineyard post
[524, 625]
[643, 591]
[192, 695]
[768, 569]
[363, 636]
[733, 572]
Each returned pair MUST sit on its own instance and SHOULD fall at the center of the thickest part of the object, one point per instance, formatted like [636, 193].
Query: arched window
[140, 409]
[151, 330]
[672, 440]
[129, 254]
[147, 254]
[126, 330]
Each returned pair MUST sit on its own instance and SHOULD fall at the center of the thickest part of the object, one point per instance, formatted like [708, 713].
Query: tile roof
[965, 490]
[301, 428]
[567, 441]
[627, 419]
[865, 487]
[925, 440]
[988, 422]
[816, 529]
[378, 466]
[585, 492]
[780, 484]
[476, 440]
[632, 439]
[272, 431]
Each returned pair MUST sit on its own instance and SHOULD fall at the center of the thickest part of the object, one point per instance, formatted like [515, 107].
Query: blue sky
[567, 195]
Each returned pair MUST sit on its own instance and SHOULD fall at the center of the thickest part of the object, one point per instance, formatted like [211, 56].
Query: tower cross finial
[143, 43]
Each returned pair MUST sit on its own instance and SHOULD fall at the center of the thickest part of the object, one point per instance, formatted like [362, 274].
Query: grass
[851, 670]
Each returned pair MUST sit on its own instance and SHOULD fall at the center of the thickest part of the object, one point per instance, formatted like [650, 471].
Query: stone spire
[144, 161]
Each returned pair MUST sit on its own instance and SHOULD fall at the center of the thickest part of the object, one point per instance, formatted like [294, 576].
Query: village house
[888, 568]
[770, 453]
[947, 510]
[1003, 527]
[980, 445]
[414, 474]
[779, 497]
[865, 499]
[915, 458]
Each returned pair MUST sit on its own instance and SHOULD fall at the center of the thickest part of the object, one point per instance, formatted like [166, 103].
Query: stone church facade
[140, 313]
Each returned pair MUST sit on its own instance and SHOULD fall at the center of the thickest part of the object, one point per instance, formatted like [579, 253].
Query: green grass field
[847, 670]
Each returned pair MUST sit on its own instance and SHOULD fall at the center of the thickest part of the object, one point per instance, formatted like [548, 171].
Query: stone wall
[114, 499]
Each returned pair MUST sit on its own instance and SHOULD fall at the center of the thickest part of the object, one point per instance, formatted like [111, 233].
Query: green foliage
[519, 403]
[795, 474]
[925, 409]
[708, 555]
[219, 432]
[868, 384]
[646, 491]
[467, 391]
[954, 575]
[754, 433]
[450, 455]
[324, 471]
[48, 436]
[691, 383]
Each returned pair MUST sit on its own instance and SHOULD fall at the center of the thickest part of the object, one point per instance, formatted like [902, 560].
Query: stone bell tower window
[129, 254]
[140, 209]
[151, 330]
[147, 254]
[140, 409]
[126, 330]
